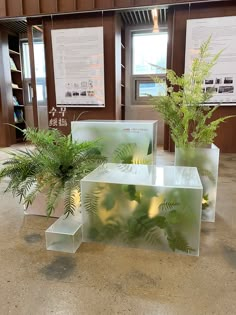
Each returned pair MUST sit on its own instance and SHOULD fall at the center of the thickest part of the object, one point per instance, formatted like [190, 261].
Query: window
[40, 74]
[149, 55]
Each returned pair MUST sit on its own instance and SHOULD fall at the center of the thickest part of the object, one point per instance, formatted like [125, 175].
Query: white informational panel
[223, 76]
[78, 60]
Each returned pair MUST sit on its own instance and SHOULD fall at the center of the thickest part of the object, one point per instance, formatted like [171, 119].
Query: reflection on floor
[108, 280]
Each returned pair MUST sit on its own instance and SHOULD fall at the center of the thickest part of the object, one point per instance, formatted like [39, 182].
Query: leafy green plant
[54, 166]
[121, 214]
[181, 108]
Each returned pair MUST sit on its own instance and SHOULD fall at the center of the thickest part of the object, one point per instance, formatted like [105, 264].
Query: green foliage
[137, 226]
[125, 153]
[181, 107]
[55, 166]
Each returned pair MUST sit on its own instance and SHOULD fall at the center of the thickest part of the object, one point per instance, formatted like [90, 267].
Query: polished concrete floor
[108, 280]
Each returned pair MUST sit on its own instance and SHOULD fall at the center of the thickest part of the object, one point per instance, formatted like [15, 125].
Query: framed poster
[78, 60]
[223, 37]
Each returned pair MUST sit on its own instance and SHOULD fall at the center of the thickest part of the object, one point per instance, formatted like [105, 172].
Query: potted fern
[191, 129]
[53, 167]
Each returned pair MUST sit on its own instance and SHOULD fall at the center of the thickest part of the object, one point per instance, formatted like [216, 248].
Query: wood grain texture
[66, 5]
[86, 20]
[123, 3]
[141, 2]
[3, 11]
[85, 5]
[48, 6]
[14, 8]
[30, 7]
[104, 4]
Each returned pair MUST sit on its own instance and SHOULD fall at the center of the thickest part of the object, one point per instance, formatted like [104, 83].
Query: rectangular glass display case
[128, 142]
[207, 162]
[143, 206]
[65, 234]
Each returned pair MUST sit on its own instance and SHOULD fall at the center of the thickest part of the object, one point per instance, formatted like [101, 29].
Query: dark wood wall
[108, 21]
[177, 22]
[10, 8]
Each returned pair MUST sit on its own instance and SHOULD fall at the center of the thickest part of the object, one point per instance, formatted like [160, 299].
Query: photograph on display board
[222, 31]
[78, 58]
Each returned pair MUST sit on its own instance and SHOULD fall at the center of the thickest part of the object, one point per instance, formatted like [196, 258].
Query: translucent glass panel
[143, 206]
[207, 161]
[149, 49]
[64, 235]
[150, 88]
[130, 141]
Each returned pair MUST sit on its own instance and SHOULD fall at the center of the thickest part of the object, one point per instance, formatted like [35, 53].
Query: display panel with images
[78, 58]
[222, 31]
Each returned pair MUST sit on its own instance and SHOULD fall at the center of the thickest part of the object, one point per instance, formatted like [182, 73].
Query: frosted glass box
[207, 162]
[65, 234]
[128, 142]
[143, 206]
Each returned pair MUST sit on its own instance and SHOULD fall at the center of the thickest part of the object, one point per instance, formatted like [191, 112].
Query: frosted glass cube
[64, 235]
[207, 162]
[143, 206]
[127, 142]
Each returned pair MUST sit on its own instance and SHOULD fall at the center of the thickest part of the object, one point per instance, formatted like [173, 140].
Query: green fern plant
[54, 166]
[181, 108]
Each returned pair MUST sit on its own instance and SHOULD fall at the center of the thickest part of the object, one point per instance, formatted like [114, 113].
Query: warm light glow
[155, 20]
[154, 206]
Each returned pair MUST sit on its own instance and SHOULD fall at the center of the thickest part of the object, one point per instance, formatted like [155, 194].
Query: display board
[223, 37]
[78, 59]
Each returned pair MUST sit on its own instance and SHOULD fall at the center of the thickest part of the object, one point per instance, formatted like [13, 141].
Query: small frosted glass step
[207, 162]
[64, 235]
[128, 142]
[143, 206]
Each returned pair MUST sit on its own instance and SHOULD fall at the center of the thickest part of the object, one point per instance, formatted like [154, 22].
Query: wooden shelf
[19, 123]
[13, 52]
[19, 106]
[16, 88]
[17, 71]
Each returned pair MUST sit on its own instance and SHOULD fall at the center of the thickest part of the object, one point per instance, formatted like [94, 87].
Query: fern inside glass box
[143, 206]
[128, 142]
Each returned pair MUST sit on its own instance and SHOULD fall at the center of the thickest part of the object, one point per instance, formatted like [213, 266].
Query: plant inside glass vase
[184, 108]
[192, 126]
[54, 165]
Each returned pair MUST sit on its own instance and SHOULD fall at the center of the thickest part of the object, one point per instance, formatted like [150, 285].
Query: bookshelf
[17, 86]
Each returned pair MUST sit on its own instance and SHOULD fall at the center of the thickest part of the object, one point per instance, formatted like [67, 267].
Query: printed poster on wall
[223, 77]
[78, 60]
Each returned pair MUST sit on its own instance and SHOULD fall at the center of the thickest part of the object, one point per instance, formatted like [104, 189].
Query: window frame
[135, 80]
[27, 81]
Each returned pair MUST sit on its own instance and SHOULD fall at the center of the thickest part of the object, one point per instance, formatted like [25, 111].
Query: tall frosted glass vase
[207, 161]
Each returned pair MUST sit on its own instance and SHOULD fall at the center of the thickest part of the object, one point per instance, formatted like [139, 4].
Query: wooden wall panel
[3, 11]
[85, 5]
[141, 2]
[124, 3]
[30, 7]
[226, 132]
[48, 6]
[14, 7]
[86, 20]
[104, 4]
[66, 6]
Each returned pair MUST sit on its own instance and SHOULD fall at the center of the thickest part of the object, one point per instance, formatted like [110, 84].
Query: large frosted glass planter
[143, 206]
[207, 161]
[129, 141]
